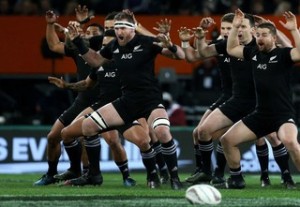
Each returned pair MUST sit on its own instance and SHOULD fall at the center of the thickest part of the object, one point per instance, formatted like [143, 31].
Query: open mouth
[121, 37]
[260, 43]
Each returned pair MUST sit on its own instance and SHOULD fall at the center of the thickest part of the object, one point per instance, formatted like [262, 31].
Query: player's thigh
[237, 134]
[137, 135]
[215, 121]
[86, 111]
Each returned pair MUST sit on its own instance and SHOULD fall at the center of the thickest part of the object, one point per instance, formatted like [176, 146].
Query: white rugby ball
[203, 194]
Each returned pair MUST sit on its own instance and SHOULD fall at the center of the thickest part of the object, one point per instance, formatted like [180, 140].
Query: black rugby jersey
[241, 73]
[135, 63]
[108, 82]
[82, 71]
[224, 71]
[272, 73]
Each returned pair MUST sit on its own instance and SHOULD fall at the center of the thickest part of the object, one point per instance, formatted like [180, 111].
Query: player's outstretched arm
[282, 39]
[93, 58]
[77, 86]
[233, 46]
[139, 28]
[53, 41]
[291, 25]
[169, 50]
[191, 54]
[200, 42]
[82, 15]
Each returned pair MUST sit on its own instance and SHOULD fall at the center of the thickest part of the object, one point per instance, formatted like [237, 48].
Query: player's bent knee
[161, 128]
[224, 141]
[94, 118]
[87, 130]
[53, 142]
[65, 135]
[195, 132]
[98, 120]
[289, 143]
[113, 144]
[163, 136]
[54, 137]
[201, 130]
[160, 122]
[142, 143]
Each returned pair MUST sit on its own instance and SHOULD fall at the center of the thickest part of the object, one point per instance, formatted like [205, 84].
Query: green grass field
[17, 190]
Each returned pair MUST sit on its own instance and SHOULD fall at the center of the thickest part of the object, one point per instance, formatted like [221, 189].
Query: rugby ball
[203, 194]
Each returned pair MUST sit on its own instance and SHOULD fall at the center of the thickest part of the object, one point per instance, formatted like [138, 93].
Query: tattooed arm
[77, 86]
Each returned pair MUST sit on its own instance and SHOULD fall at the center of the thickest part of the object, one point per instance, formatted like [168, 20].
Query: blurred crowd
[149, 7]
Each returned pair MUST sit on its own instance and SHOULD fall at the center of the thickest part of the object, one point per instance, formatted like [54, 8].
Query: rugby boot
[86, 179]
[288, 182]
[236, 182]
[193, 176]
[200, 177]
[164, 176]
[176, 184]
[218, 181]
[45, 180]
[153, 181]
[129, 182]
[265, 181]
[67, 175]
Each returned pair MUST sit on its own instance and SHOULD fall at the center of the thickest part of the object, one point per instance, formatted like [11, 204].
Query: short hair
[250, 18]
[269, 26]
[101, 29]
[111, 15]
[124, 15]
[228, 17]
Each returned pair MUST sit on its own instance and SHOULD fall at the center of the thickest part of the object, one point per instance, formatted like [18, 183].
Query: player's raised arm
[191, 54]
[53, 41]
[291, 25]
[139, 28]
[82, 14]
[233, 46]
[169, 49]
[282, 40]
[204, 49]
[93, 58]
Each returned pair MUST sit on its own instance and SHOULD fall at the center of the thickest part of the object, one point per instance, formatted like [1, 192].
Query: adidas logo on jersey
[101, 68]
[254, 58]
[116, 51]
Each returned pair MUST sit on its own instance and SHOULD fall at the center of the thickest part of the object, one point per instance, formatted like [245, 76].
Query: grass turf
[17, 190]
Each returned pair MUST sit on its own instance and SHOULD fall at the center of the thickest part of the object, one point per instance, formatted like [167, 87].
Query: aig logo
[227, 60]
[262, 66]
[127, 56]
[110, 75]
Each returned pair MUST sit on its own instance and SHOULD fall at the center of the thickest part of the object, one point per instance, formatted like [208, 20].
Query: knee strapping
[97, 118]
[160, 122]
